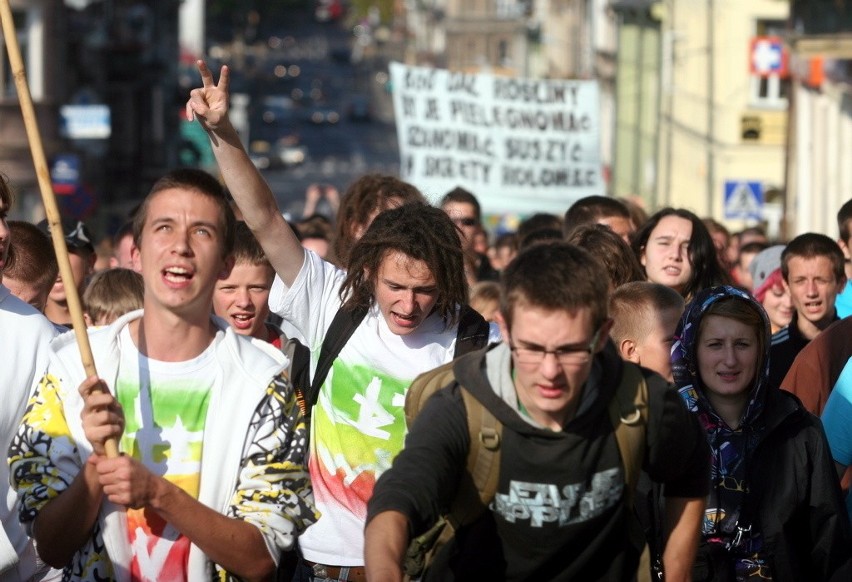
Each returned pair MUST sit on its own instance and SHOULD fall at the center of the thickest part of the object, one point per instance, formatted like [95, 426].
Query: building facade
[39, 24]
[819, 172]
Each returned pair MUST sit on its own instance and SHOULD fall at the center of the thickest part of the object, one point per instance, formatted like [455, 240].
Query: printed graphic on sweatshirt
[545, 503]
[43, 460]
[273, 493]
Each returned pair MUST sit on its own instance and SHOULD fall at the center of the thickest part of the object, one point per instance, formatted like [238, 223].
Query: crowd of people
[617, 395]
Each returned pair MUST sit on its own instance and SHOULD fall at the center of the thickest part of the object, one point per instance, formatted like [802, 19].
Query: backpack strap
[473, 331]
[300, 364]
[423, 387]
[477, 488]
[628, 411]
[342, 327]
[479, 485]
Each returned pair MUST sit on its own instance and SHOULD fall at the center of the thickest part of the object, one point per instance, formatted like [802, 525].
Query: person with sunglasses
[463, 209]
[561, 509]
[775, 509]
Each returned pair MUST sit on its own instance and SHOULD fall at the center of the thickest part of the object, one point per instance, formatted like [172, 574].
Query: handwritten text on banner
[520, 145]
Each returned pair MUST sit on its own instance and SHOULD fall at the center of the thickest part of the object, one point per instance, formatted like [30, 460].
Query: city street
[341, 114]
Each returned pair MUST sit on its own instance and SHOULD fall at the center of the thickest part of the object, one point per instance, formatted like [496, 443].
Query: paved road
[337, 153]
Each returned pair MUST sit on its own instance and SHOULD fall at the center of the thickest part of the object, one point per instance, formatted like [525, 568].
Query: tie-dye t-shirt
[165, 406]
[358, 424]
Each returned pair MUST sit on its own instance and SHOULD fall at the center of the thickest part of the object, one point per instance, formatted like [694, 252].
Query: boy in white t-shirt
[407, 275]
[212, 479]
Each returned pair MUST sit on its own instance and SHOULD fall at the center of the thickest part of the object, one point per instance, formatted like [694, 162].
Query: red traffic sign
[768, 57]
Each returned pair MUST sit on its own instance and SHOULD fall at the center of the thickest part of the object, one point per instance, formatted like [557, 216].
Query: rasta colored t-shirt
[165, 407]
[358, 423]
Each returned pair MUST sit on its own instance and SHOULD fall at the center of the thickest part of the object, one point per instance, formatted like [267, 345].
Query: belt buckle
[319, 570]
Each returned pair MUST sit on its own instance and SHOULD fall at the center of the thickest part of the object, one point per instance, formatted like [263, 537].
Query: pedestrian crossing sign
[743, 200]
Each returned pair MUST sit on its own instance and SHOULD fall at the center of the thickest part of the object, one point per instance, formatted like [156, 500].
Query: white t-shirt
[165, 407]
[358, 424]
[25, 336]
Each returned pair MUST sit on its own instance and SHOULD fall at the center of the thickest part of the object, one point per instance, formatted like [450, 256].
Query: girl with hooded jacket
[775, 509]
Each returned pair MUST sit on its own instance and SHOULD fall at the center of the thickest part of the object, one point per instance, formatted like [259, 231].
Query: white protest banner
[520, 145]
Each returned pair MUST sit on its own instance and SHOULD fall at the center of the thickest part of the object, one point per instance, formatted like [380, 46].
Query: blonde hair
[635, 306]
[485, 297]
[112, 293]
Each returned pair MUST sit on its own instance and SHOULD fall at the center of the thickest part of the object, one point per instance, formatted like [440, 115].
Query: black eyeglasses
[566, 356]
[465, 221]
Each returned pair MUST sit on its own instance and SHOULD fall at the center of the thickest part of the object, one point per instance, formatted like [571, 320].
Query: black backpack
[472, 335]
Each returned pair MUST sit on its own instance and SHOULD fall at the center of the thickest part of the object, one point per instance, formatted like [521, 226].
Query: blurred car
[323, 116]
[260, 154]
[291, 155]
[359, 108]
[328, 10]
[277, 110]
[283, 154]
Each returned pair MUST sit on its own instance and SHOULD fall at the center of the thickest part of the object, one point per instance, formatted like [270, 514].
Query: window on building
[7, 79]
[768, 90]
[503, 53]
[507, 8]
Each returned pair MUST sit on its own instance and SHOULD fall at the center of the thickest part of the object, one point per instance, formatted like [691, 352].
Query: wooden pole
[48, 198]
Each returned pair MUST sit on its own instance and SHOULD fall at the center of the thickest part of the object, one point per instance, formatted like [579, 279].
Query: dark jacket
[796, 496]
[774, 474]
[560, 511]
[786, 343]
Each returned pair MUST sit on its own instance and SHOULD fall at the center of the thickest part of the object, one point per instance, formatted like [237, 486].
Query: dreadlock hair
[420, 232]
[366, 197]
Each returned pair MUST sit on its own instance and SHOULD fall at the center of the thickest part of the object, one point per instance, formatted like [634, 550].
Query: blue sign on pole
[65, 174]
[743, 200]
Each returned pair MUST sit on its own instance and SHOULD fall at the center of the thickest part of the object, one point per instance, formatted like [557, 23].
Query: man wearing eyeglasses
[463, 209]
[560, 511]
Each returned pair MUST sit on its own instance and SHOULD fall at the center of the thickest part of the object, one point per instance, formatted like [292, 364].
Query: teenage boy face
[181, 251]
[654, 350]
[405, 291]
[813, 288]
[82, 264]
[242, 299]
[549, 390]
[463, 216]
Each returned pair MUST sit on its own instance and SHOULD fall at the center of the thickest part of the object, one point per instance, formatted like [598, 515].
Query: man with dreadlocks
[406, 280]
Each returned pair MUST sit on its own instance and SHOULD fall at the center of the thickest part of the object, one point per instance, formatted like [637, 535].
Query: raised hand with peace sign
[209, 105]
